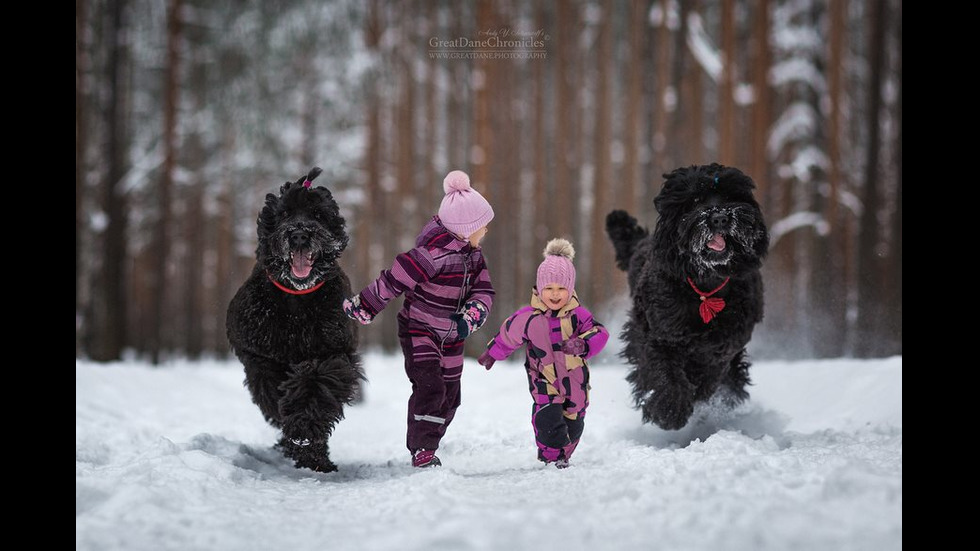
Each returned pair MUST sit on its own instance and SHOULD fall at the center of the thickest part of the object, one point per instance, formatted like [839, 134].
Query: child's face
[555, 296]
[478, 236]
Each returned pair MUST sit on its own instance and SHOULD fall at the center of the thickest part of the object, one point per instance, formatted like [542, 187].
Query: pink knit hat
[463, 209]
[557, 266]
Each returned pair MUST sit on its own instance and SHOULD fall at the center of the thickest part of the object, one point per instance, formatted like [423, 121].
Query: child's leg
[426, 405]
[575, 406]
[547, 419]
[575, 428]
[550, 432]
[452, 370]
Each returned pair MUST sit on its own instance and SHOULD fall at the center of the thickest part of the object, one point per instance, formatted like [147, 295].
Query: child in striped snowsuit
[448, 296]
[559, 335]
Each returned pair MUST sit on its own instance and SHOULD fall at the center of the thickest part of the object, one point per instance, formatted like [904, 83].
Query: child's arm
[511, 336]
[407, 271]
[592, 337]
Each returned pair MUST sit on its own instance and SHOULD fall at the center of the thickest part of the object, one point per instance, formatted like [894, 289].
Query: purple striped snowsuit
[559, 383]
[437, 277]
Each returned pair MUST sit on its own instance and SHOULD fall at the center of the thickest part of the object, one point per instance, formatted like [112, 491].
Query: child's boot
[423, 458]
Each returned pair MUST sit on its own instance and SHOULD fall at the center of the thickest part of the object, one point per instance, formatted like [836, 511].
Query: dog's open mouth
[717, 243]
[301, 263]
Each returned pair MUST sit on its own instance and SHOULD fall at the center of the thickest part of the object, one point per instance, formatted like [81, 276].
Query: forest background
[187, 112]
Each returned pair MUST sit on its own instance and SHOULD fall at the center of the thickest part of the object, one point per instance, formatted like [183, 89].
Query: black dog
[696, 291]
[287, 326]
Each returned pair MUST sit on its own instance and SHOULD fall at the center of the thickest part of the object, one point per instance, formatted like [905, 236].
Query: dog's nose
[299, 239]
[718, 220]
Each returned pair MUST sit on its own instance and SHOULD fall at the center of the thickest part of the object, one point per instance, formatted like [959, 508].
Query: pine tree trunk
[869, 268]
[162, 239]
[565, 108]
[601, 257]
[726, 87]
[227, 282]
[634, 107]
[687, 120]
[831, 284]
[365, 240]
[662, 146]
[81, 144]
[112, 329]
[762, 108]
[482, 152]
[893, 318]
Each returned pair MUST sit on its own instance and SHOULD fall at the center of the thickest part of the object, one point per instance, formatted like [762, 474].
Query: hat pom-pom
[456, 180]
[559, 247]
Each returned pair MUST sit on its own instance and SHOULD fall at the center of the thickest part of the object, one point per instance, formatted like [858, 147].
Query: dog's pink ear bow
[311, 175]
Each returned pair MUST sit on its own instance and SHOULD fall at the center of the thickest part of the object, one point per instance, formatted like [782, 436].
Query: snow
[796, 221]
[701, 47]
[179, 458]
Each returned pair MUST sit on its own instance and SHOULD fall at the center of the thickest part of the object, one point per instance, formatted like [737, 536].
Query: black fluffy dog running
[696, 291]
[287, 326]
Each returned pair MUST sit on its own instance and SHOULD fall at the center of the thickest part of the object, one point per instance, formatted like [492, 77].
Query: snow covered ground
[179, 458]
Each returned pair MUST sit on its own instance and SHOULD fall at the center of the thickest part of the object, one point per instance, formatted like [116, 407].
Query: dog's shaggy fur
[288, 328]
[710, 228]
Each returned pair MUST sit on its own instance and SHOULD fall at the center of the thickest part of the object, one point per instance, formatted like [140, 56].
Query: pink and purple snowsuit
[442, 276]
[559, 382]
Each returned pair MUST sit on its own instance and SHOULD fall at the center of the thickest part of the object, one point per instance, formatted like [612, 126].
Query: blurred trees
[188, 112]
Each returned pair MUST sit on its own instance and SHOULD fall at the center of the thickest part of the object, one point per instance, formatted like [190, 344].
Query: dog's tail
[625, 233]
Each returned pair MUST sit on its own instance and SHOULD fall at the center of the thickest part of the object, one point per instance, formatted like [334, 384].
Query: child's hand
[356, 312]
[575, 346]
[486, 360]
[472, 317]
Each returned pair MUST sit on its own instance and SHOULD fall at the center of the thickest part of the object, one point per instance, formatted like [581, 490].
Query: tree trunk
[687, 120]
[565, 108]
[662, 146]
[637, 16]
[869, 266]
[832, 281]
[762, 108]
[893, 318]
[634, 117]
[364, 236]
[193, 266]
[481, 155]
[543, 154]
[162, 238]
[81, 143]
[600, 256]
[112, 329]
[225, 242]
[726, 86]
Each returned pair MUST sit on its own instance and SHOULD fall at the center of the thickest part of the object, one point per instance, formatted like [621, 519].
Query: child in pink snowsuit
[559, 335]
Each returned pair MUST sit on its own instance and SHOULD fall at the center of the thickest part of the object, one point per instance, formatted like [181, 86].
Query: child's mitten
[356, 312]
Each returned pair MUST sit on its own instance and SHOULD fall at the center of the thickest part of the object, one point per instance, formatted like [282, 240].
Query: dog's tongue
[302, 265]
[717, 242]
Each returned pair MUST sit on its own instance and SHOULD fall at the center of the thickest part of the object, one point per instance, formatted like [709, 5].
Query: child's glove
[575, 346]
[472, 317]
[486, 360]
[356, 312]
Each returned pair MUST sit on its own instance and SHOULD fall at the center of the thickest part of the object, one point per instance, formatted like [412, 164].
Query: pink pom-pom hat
[463, 209]
[557, 266]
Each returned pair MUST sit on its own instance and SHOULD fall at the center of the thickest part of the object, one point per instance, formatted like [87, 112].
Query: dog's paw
[307, 454]
[669, 409]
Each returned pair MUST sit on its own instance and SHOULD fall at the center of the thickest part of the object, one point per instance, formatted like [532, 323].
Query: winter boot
[552, 456]
[423, 458]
